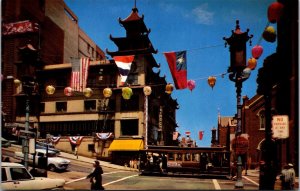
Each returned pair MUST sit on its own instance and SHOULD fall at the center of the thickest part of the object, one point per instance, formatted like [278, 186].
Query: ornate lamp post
[147, 92]
[238, 74]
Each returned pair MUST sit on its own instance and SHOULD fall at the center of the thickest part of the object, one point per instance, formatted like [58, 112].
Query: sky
[198, 27]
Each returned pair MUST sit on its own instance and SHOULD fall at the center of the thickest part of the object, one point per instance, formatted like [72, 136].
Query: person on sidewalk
[96, 177]
[288, 177]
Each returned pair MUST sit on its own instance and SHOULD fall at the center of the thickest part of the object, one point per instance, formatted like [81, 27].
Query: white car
[15, 176]
[54, 161]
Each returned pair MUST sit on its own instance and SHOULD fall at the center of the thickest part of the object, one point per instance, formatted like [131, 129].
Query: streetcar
[203, 161]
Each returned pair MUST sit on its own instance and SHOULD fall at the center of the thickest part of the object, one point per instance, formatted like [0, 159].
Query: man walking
[96, 177]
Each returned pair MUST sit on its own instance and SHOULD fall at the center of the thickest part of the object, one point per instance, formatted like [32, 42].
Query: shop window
[42, 107]
[129, 127]
[91, 147]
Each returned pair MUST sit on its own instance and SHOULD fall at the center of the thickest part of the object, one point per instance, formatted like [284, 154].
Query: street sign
[280, 126]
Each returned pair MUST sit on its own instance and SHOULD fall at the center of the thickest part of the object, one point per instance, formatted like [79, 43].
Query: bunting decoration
[55, 140]
[79, 74]
[124, 65]
[76, 140]
[19, 27]
[201, 133]
[104, 136]
[178, 68]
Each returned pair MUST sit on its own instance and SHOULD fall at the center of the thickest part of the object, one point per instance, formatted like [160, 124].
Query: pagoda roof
[134, 20]
[148, 50]
[136, 42]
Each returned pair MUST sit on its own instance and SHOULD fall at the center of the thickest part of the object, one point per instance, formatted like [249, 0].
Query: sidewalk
[91, 160]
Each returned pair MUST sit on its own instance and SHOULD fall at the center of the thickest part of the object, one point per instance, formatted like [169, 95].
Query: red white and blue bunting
[75, 140]
[55, 139]
[104, 136]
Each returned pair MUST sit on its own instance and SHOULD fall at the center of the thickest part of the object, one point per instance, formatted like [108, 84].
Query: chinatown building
[99, 121]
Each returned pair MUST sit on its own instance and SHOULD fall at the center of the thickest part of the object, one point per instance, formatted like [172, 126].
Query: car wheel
[52, 167]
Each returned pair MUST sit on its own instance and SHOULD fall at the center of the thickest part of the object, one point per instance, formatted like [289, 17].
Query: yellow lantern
[169, 88]
[126, 93]
[87, 92]
[107, 92]
[147, 90]
[211, 81]
[50, 90]
[252, 63]
[17, 82]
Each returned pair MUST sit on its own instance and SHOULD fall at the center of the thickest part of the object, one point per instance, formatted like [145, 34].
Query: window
[91, 147]
[3, 173]
[61, 106]
[129, 127]
[130, 105]
[90, 105]
[42, 107]
[19, 174]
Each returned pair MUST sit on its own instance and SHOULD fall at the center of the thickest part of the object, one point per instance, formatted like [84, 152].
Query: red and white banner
[104, 136]
[76, 140]
[124, 64]
[19, 27]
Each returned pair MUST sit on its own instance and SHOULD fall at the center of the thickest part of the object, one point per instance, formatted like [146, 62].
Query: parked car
[54, 161]
[15, 176]
[5, 143]
[42, 145]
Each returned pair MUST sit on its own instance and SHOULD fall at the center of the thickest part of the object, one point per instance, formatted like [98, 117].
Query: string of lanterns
[269, 34]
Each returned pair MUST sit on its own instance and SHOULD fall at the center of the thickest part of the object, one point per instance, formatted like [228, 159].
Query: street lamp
[147, 91]
[238, 72]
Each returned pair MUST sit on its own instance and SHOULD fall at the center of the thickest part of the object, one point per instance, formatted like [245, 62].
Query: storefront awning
[126, 145]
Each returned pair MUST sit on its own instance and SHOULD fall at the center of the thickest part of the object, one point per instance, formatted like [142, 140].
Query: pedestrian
[288, 177]
[96, 177]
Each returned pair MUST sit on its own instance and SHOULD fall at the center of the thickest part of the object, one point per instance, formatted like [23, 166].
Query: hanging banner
[104, 136]
[19, 27]
[76, 140]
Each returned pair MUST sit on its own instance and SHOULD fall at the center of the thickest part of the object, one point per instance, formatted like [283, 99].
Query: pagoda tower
[161, 107]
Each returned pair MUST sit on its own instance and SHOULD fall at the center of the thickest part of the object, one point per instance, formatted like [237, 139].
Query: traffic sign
[280, 126]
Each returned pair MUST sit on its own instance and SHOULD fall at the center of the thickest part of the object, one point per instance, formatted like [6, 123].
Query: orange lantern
[169, 88]
[107, 92]
[269, 34]
[127, 93]
[68, 91]
[252, 63]
[274, 12]
[50, 90]
[211, 81]
[87, 92]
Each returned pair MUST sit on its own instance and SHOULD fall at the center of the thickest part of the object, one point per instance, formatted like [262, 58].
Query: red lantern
[257, 51]
[274, 12]
[252, 63]
[68, 91]
[191, 84]
[269, 34]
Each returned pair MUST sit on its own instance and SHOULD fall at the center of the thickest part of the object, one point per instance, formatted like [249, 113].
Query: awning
[126, 145]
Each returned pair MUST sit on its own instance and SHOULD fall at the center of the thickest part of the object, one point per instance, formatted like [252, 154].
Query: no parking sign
[280, 126]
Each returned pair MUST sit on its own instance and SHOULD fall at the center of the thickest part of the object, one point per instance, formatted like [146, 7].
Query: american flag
[79, 74]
